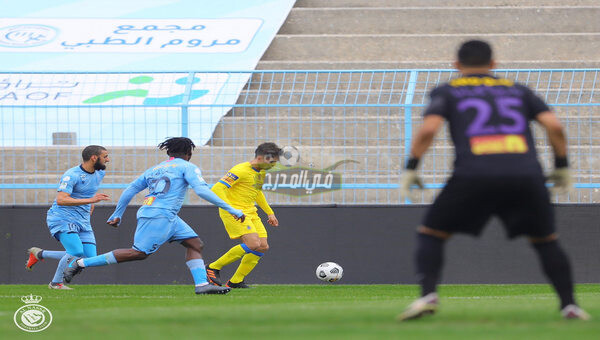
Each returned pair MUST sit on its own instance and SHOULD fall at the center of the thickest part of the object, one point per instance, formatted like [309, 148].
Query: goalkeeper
[496, 173]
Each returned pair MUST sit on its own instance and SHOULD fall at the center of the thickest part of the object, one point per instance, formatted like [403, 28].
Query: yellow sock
[249, 261]
[230, 256]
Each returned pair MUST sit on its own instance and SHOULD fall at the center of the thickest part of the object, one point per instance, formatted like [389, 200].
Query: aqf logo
[20, 36]
[32, 317]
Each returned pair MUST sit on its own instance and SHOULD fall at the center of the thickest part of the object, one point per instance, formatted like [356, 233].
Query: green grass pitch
[300, 312]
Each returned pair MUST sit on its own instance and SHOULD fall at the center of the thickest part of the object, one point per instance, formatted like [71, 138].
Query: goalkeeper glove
[409, 178]
[560, 177]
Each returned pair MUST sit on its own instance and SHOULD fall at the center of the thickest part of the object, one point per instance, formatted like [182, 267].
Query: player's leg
[557, 268]
[460, 207]
[88, 239]
[150, 234]
[251, 258]
[195, 263]
[235, 229]
[74, 247]
[35, 255]
[247, 264]
[429, 259]
[529, 212]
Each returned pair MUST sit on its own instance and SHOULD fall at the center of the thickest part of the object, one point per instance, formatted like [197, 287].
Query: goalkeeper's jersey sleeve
[243, 184]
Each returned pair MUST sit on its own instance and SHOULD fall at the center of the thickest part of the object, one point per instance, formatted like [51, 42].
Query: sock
[62, 264]
[557, 269]
[52, 254]
[100, 260]
[230, 256]
[249, 261]
[429, 260]
[196, 266]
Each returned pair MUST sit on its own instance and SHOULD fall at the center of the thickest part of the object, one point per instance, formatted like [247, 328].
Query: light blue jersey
[78, 183]
[167, 184]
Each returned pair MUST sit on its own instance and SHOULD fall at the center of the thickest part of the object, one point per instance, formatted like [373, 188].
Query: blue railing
[366, 116]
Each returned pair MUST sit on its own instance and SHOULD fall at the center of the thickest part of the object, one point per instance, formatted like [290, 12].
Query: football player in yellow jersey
[241, 187]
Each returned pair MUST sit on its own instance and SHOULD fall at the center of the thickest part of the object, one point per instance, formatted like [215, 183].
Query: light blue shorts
[151, 233]
[86, 235]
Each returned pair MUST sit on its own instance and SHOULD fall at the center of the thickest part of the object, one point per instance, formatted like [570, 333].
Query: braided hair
[177, 146]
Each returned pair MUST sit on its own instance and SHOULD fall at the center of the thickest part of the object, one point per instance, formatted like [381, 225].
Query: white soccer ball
[289, 156]
[329, 272]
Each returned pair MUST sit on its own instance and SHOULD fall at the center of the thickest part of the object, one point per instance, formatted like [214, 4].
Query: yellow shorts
[236, 229]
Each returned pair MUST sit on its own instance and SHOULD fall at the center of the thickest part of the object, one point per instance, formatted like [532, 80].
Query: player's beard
[98, 165]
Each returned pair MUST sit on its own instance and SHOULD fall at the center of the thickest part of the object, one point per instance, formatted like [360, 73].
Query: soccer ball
[329, 272]
[290, 156]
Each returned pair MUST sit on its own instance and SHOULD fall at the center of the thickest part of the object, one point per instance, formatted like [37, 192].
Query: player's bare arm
[420, 143]
[63, 198]
[555, 131]
[425, 135]
[560, 176]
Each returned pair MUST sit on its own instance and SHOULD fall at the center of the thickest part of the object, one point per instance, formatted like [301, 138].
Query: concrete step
[438, 3]
[522, 47]
[423, 20]
[354, 131]
[286, 101]
[281, 84]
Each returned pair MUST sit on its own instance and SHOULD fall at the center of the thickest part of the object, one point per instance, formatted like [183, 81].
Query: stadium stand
[367, 116]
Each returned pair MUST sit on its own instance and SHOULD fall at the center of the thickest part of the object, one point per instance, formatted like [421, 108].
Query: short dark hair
[475, 53]
[91, 150]
[177, 146]
[268, 148]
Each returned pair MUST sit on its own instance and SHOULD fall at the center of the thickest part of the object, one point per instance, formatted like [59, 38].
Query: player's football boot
[34, 257]
[237, 285]
[214, 276]
[574, 312]
[72, 269]
[53, 285]
[211, 289]
[423, 306]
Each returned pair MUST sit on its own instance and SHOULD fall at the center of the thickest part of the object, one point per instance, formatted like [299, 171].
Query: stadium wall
[374, 244]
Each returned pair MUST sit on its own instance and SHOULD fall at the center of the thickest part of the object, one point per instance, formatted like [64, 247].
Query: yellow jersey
[241, 187]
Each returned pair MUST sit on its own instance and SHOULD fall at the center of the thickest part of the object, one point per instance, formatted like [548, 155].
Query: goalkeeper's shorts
[466, 204]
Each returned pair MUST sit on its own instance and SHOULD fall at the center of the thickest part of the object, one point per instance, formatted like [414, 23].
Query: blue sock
[53, 254]
[62, 264]
[198, 271]
[100, 260]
